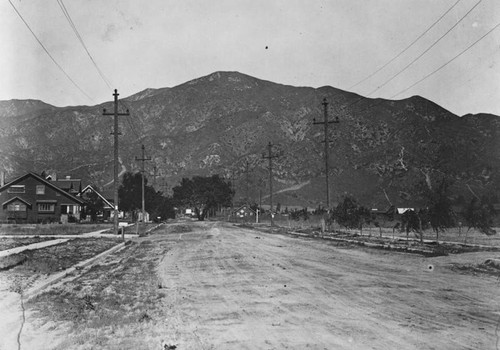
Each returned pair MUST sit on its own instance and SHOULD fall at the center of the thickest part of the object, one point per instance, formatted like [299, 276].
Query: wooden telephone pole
[325, 122]
[155, 175]
[231, 181]
[115, 133]
[270, 156]
[143, 159]
[247, 182]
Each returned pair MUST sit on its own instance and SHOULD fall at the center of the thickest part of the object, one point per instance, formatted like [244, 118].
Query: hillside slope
[379, 150]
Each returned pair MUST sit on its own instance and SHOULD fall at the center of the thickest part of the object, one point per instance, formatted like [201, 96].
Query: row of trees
[204, 194]
[158, 205]
[438, 215]
[208, 194]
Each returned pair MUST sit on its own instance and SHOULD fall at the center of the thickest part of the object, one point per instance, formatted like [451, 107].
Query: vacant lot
[9, 242]
[215, 286]
[31, 265]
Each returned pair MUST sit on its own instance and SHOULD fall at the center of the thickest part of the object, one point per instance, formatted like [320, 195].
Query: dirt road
[233, 288]
[217, 286]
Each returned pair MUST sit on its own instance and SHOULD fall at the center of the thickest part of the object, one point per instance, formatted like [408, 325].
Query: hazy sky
[141, 44]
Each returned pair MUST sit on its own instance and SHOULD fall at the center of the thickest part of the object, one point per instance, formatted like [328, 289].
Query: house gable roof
[16, 199]
[71, 185]
[244, 208]
[43, 181]
[89, 187]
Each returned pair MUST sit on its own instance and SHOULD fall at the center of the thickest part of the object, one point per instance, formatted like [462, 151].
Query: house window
[46, 207]
[16, 189]
[16, 207]
[40, 189]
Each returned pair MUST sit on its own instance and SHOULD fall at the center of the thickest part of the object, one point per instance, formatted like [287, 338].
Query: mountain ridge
[219, 122]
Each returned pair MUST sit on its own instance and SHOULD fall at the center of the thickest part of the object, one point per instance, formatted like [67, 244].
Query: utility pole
[325, 122]
[231, 179]
[270, 156]
[115, 133]
[143, 159]
[155, 175]
[247, 184]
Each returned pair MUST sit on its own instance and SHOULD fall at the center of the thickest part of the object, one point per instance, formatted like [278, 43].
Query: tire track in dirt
[178, 330]
[235, 288]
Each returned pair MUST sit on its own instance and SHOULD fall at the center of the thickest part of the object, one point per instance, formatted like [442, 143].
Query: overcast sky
[163, 43]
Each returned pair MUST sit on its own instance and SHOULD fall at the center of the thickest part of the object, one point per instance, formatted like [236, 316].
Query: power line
[129, 121]
[406, 48]
[428, 75]
[448, 62]
[48, 53]
[427, 50]
[73, 26]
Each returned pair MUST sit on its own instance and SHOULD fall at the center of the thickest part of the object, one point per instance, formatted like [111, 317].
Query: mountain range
[381, 151]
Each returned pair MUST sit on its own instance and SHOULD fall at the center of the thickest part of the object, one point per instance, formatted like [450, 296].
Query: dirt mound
[494, 263]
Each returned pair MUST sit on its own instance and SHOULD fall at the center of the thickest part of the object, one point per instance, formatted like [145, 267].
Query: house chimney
[68, 177]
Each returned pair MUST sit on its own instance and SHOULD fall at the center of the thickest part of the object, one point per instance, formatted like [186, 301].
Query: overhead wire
[48, 53]
[79, 37]
[362, 98]
[129, 122]
[425, 51]
[448, 62]
[406, 48]
[430, 74]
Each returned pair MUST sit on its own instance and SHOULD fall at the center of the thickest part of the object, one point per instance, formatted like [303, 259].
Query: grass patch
[45, 261]
[11, 261]
[117, 301]
[9, 243]
[51, 229]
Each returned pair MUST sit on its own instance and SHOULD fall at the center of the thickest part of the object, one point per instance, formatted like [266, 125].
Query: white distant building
[401, 211]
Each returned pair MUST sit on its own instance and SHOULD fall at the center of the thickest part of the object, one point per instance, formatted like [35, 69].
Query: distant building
[401, 211]
[244, 213]
[32, 199]
[108, 206]
[68, 184]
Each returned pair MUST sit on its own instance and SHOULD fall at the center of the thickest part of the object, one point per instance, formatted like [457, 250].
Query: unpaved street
[233, 288]
[217, 286]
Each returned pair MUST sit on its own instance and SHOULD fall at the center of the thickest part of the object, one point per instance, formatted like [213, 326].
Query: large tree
[479, 215]
[93, 205]
[203, 194]
[130, 192]
[130, 197]
[350, 214]
[439, 212]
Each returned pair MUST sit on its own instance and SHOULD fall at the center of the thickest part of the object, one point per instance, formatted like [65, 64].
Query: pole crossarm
[115, 133]
[325, 123]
